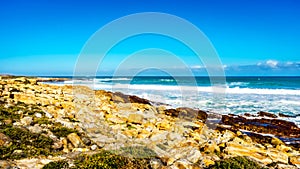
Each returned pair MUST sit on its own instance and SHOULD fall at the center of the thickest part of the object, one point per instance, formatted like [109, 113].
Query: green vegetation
[136, 152]
[56, 165]
[23, 143]
[61, 131]
[236, 163]
[109, 160]
[41, 120]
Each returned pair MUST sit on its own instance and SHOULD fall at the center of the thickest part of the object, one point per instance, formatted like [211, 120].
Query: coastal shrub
[236, 163]
[41, 120]
[136, 152]
[24, 144]
[109, 160]
[56, 165]
[61, 131]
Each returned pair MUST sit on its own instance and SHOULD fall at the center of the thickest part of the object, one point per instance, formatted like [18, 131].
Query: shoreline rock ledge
[48, 126]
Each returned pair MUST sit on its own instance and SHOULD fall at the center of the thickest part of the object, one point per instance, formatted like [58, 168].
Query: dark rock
[187, 113]
[284, 115]
[11, 96]
[119, 97]
[213, 115]
[171, 112]
[266, 114]
[123, 98]
[248, 114]
[276, 127]
[135, 99]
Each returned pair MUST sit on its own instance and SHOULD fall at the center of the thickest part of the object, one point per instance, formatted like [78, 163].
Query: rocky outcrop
[275, 126]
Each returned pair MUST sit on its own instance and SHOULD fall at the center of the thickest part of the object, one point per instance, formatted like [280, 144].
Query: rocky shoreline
[48, 126]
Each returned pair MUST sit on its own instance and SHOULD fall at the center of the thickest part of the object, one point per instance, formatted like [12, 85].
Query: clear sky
[252, 37]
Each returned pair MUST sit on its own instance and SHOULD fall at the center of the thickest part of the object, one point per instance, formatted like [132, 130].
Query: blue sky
[252, 37]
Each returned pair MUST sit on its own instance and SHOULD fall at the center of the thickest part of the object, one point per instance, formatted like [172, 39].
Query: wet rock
[266, 114]
[287, 116]
[75, 140]
[135, 99]
[276, 127]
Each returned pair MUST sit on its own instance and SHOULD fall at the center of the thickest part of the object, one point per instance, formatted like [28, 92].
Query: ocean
[240, 95]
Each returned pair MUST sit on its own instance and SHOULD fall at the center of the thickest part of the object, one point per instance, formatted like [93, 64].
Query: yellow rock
[275, 141]
[211, 147]
[163, 125]
[135, 118]
[148, 124]
[108, 116]
[75, 140]
[116, 120]
[238, 148]
[295, 160]
[131, 133]
[239, 133]
[222, 145]
[278, 156]
[283, 148]
[208, 162]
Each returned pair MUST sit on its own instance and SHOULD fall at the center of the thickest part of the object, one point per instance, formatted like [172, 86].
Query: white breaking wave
[238, 90]
[111, 79]
[209, 89]
[238, 83]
